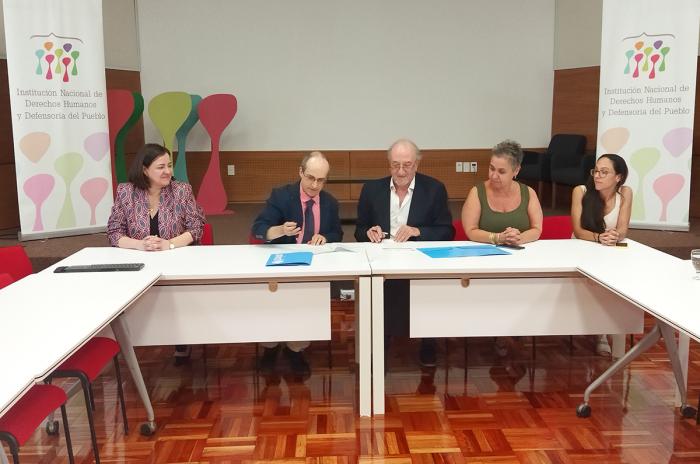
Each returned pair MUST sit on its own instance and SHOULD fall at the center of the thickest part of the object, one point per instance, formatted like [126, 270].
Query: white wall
[356, 75]
[377, 55]
[120, 34]
[577, 33]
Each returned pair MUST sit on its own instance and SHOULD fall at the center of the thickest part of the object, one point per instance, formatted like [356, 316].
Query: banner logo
[57, 56]
[644, 53]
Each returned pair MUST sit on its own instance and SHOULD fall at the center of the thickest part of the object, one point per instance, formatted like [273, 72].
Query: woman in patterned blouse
[154, 212]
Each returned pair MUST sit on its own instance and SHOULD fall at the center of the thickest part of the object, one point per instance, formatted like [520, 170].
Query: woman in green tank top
[501, 210]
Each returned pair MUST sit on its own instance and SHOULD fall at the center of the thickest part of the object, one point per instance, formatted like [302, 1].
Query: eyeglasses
[600, 172]
[312, 179]
[406, 166]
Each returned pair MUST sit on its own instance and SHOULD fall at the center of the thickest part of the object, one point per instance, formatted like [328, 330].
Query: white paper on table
[389, 244]
[331, 248]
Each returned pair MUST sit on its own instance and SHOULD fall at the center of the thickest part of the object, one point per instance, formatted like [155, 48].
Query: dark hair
[144, 158]
[592, 205]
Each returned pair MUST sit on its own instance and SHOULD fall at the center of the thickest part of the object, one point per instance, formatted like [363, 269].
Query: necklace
[152, 208]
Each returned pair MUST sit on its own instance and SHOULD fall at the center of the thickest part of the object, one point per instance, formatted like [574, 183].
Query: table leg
[618, 345]
[649, 340]
[669, 335]
[363, 311]
[661, 329]
[683, 351]
[122, 335]
[378, 344]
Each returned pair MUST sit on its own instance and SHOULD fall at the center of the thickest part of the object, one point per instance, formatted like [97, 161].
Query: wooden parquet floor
[475, 407]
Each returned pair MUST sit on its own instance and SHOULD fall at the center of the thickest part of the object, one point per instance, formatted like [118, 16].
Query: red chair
[253, 240]
[87, 362]
[556, 227]
[85, 365]
[553, 228]
[18, 424]
[14, 261]
[5, 279]
[460, 234]
[207, 235]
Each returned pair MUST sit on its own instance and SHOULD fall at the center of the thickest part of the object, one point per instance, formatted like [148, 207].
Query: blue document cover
[299, 258]
[462, 251]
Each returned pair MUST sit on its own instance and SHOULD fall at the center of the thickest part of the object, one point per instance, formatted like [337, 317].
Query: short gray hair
[410, 143]
[310, 155]
[511, 150]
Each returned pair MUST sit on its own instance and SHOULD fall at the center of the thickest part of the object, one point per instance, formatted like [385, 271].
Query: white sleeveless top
[610, 218]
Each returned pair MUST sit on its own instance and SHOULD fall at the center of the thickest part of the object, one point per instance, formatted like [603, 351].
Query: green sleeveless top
[493, 221]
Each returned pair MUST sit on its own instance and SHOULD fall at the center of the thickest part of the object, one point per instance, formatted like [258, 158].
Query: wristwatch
[172, 246]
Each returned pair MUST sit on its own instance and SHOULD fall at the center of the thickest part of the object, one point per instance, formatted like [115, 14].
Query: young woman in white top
[600, 210]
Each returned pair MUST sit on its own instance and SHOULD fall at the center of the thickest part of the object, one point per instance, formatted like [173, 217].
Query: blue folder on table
[462, 251]
[299, 258]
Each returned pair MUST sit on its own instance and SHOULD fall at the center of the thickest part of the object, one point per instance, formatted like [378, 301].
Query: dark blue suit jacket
[284, 205]
[429, 212]
[429, 209]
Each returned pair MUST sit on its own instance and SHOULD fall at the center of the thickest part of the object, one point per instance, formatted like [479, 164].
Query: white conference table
[46, 317]
[666, 289]
[535, 291]
[226, 294]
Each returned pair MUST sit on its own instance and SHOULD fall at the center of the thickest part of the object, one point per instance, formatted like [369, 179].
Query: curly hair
[511, 150]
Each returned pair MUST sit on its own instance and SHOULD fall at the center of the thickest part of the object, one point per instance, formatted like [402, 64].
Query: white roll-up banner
[56, 74]
[648, 65]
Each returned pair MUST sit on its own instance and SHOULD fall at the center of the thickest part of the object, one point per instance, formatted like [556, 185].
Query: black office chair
[535, 167]
[570, 165]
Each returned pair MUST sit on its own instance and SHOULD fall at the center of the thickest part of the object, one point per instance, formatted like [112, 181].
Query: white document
[331, 248]
[389, 244]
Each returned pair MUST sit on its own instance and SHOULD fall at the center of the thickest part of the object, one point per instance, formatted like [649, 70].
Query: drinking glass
[695, 258]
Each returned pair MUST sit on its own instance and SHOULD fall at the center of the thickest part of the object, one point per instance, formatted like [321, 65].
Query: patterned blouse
[178, 213]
